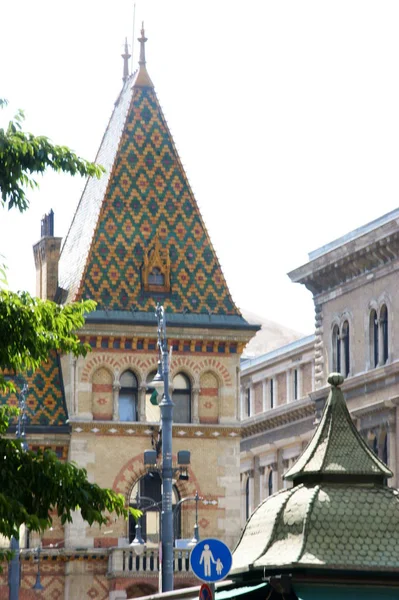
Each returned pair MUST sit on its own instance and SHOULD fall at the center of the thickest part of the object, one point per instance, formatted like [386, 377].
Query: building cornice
[278, 417]
[357, 257]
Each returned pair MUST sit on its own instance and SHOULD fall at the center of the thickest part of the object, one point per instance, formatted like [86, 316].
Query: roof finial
[142, 41]
[126, 57]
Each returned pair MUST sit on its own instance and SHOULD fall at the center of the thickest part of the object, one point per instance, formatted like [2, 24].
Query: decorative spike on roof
[126, 57]
[45, 401]
[138, 236]
[337, 452]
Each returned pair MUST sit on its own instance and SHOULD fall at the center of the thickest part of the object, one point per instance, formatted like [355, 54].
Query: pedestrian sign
[210, 560]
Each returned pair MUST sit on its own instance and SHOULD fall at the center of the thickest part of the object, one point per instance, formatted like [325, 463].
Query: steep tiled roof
[337, 449]
[45, 401]
[144, 197]
[339, 515]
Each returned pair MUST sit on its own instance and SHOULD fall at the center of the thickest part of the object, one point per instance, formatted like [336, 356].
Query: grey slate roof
[337, 449]
[77, 242]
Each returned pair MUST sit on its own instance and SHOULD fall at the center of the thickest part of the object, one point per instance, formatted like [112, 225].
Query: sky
[285, 115]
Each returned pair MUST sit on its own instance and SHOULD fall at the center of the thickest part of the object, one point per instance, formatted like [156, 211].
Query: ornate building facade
[137, 238]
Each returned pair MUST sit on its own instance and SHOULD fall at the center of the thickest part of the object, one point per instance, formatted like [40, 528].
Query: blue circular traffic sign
[210, 560]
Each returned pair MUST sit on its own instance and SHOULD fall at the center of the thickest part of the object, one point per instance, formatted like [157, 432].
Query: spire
[142, 41]
[337, 452]
[126, 57]
[142, 79]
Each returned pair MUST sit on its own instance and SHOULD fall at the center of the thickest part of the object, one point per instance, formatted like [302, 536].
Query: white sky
[285, 115]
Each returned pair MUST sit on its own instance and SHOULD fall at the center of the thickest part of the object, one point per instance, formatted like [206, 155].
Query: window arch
[128, 397]
[340, 348]
[384, 332]
[181, 398]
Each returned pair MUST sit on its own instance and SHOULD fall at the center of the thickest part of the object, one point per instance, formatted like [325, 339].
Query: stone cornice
[350, 260]
[134, 430]
[278, 417]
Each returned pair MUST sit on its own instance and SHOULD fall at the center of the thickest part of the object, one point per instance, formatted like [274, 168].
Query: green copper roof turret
[337, 452]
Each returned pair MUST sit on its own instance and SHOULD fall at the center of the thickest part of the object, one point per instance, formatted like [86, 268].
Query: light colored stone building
[354, 282]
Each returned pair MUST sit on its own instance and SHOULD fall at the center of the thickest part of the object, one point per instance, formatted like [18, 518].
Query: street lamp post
[166, 407]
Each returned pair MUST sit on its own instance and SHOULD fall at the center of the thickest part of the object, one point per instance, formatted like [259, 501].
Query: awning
[241, 591]
[339, 592]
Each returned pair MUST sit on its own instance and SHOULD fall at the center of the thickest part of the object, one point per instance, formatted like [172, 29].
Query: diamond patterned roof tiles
[144, 195]
[45, 402]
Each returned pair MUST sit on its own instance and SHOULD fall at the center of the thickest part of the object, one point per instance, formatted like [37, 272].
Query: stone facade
[354, 285]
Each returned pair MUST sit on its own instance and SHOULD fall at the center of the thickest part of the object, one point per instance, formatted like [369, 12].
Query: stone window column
[264, 396]
[251, 400]
[195, 404]
[141, 402]
[116, 389]
[274, 468]
[289, 385]
[380, 343]
[299, 381]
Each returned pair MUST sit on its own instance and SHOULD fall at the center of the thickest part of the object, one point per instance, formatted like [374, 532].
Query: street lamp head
[138, 544]
[158, 383]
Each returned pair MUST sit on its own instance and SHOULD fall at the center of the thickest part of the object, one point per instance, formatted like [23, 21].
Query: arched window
[384, 332]
[336, 350]
[346, 348]
[270, 482]
[147, 495]
[128, 397]
[182, 399]
[373, 333]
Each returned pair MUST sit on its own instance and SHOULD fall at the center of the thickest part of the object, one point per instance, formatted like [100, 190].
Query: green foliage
[34, 484]
[22, 154]
[31, 328]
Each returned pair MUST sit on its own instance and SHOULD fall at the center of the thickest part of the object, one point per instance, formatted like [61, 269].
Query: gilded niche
[156, 268]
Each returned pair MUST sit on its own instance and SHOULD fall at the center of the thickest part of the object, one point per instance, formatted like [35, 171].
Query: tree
[35, 484]
[22, 154]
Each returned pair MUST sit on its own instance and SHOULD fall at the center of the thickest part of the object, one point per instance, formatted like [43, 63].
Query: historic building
[334, 534]
[354, 285]
[137, 238]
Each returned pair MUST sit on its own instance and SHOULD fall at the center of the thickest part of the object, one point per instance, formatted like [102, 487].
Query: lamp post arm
[177, 507]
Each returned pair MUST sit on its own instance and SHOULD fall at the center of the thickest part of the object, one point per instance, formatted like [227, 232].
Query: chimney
[47, 254]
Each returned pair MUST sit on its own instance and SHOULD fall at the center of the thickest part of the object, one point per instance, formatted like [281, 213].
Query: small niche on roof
[156, 268]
